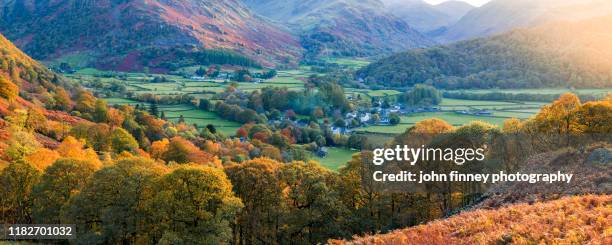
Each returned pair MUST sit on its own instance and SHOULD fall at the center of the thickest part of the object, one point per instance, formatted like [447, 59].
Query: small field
[191, 115]
[539, 91]
[336, 158]
[352, 63]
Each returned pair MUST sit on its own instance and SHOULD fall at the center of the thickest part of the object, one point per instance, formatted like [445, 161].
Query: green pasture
[353, 63]
[336, 158]
[191, 114]
[452, 118]
[539, 91]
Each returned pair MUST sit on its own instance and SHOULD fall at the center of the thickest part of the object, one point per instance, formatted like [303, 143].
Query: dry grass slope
[570, 220]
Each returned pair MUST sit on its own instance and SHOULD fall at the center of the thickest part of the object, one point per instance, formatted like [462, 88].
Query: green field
[336, 158]
[452, 118]
[353, 63]
[191, 115]
[539, 91]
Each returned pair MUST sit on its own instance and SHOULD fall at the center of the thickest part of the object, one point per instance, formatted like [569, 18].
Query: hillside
[591, 169]
[571, 220]
[562, 54]
[26, 86]
[425, 17]
[132, 34]
[499, 16]
[342, 27]
[31, 80]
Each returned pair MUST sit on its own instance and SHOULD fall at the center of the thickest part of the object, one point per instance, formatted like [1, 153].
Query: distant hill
[426, 17]
[503, 15]
[562, 54]
[132, 34]
[578, 219]
[342, 27]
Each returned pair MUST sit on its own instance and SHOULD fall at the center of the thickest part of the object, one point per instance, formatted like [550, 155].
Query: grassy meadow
[336, 158]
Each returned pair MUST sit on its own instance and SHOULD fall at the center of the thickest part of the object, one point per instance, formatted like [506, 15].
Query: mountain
[132, 34]
[426, 17]
[560, 54]
[546, 223]
[342, 27]
[503, 15]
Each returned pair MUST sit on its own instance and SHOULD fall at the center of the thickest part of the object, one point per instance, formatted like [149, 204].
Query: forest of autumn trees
[128, 177]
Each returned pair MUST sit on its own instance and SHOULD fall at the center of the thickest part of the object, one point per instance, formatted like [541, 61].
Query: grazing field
[349, 62]
[458, 104]
[336, 158]
[539, 91]
[452, 118]
[382, 93]
[139, 83]
[191, 115]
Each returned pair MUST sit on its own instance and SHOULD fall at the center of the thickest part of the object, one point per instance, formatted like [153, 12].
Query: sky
[477, 3]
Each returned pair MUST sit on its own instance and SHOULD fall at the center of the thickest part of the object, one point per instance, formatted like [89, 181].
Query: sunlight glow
[476, 3]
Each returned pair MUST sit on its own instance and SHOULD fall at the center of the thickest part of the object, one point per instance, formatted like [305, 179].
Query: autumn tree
[315, 212]
[75, 149]
[122, 141]
[8, 89]
[423, 95]
[58, 184]
[560, 116]
[36, 120]
[111, 207]
[193, 205]
[86, 102]
[183, 151]
[42, 158]
[100, 113]
[595, 117]
[62, 100]
[16, 182]
[256, 183]
[159, 148]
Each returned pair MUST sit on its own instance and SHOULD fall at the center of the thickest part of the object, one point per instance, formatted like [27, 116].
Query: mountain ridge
[114, 31]
[499, 16]
[342, 27]
[426, 17]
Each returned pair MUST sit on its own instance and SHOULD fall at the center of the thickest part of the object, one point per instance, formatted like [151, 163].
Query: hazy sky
[472, 2]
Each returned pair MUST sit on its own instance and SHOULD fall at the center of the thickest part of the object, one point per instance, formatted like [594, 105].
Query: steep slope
[503, 15]
[562, 54]
[26, 85]
[571, 220]
[30, 79]
[342, 27]
[425, 17]
[116, 33]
